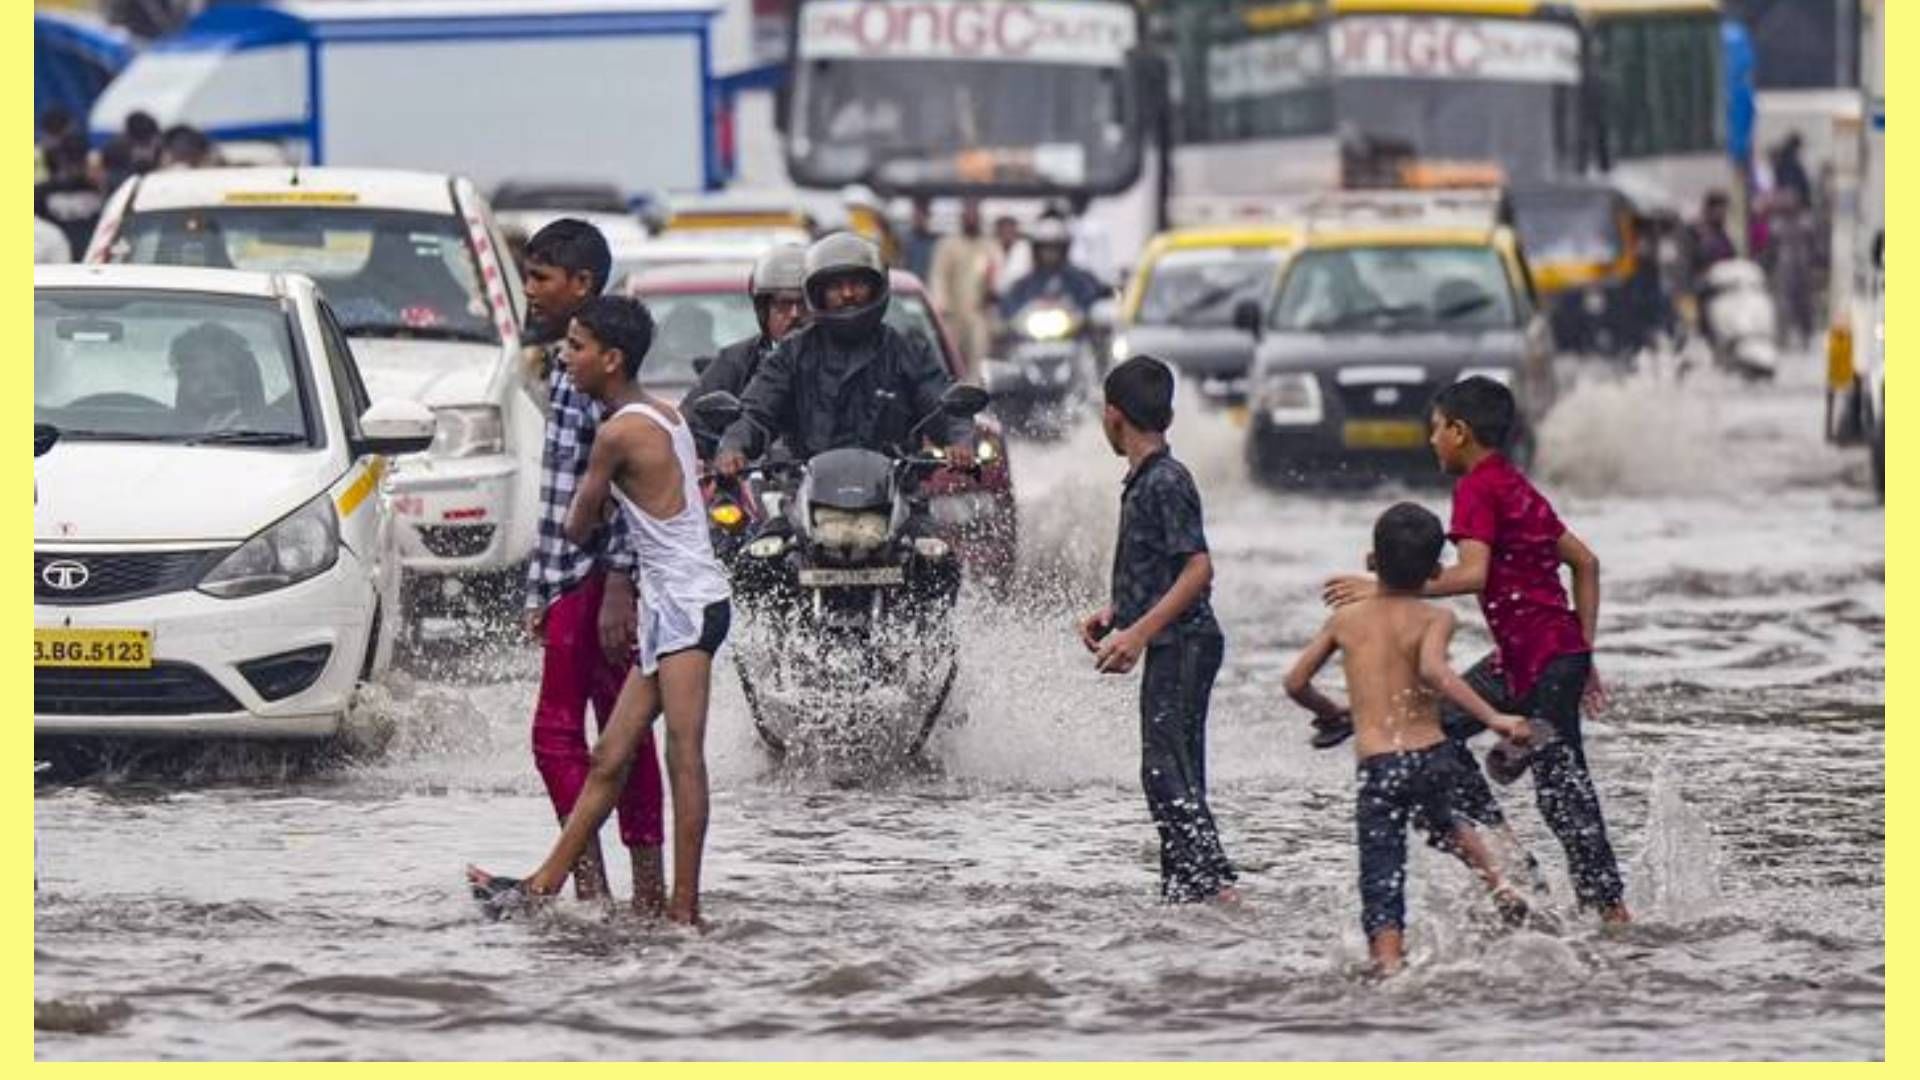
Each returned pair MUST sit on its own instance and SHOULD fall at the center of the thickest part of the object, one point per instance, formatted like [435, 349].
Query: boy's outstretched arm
[590, 499]
[1299, 682]
[1121, 651]
[1586, 582]
[1437, 673]
[1464, 578]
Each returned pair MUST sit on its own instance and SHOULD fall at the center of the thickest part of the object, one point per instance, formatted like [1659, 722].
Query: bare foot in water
[1228, 896]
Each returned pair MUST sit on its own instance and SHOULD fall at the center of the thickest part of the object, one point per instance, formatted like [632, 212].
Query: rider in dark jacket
[1052, 274]
[848, 379]
[780, 305]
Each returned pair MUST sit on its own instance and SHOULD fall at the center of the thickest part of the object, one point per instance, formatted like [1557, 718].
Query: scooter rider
[1053, 274]
[847, 379]
[780, 305]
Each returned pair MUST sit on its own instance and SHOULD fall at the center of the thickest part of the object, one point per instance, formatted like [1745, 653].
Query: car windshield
[1567, 228]
[1202, 287]
[128, 365]
[689, 325]
[387, 273]
[1415, 287]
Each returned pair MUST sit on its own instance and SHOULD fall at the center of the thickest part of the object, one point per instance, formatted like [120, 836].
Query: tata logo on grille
[65, 574]
[1386, 395]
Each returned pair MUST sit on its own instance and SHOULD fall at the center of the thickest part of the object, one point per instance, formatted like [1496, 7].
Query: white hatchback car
[212, 555]
[416, 271]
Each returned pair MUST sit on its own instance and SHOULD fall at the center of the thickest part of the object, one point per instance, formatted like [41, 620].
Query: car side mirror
[964, 400]
[701, 364]
[395, 427]
[1246, 316]
[717, 411]
[44, 436]
[1102, 314]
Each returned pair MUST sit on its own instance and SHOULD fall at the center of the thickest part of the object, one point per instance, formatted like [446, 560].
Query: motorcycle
[1044, 378]
[1738, 314]
[847, 649]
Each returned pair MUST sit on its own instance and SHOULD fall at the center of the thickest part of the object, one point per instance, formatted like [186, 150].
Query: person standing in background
[961, 281]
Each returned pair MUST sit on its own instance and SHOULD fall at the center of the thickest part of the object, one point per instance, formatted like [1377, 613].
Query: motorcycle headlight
[727, 516]
[986, 452]
[1594, 301]
[293, 549]
[1503, 376]
[767, 547]
[1121, 351]
[1292, 397]
[850, 530]
[1048, 324]
[467, 431]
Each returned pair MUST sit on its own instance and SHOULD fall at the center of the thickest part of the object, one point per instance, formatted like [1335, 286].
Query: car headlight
[1503, 376]
[1121, 351]
[293, 549]
[1292, 397]
[986, 452]
[467, 431]
[1048, 324]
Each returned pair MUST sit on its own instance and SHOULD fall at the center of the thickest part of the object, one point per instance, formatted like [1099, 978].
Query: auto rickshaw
[1590, 261]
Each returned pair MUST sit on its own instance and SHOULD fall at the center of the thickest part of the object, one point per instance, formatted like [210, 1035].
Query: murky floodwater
[1003, 906]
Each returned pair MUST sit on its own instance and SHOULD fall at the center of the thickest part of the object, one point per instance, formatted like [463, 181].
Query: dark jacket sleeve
[928, 380]
[727, 371]
[767, 402]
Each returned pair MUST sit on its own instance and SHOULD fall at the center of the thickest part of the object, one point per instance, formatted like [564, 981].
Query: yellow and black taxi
[1390, 297]
[1182, 301]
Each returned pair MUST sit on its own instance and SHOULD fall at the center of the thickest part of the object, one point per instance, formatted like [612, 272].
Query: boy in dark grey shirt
[1162, 575]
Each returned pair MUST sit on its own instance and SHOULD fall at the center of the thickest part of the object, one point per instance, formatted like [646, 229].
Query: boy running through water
[580, 600]
[643, 457]
[1394, 649]
[1512, 546]
[1162, 575]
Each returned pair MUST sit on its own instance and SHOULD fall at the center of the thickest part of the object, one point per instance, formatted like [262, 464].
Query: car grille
[1387, 400]
[456, 541]
[115, 576]
[165, 689]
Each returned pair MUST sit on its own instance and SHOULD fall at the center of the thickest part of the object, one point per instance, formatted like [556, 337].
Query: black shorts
[715, 620]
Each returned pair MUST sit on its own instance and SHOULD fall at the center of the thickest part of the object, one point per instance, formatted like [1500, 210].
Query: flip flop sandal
[1331, 731]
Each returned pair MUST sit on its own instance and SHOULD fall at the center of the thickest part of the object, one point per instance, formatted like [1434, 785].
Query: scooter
[1738, 314]
[847, 650]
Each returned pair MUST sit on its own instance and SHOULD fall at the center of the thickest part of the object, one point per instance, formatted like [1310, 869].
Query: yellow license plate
[1237, 415]
[93, 648]
[1384, 434]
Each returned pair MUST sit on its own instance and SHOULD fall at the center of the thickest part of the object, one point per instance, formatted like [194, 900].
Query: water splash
[1676, 877]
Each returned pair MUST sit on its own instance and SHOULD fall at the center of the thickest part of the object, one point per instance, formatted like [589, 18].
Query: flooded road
[1003, 905]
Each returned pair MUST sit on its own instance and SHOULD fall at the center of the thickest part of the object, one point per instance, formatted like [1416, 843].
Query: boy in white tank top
[643, 458]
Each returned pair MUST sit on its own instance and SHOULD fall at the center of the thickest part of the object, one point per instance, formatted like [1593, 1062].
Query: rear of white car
[416, 273]
[212, 556]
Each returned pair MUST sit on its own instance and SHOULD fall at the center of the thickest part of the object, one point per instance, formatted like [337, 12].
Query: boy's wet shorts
[1411, 787]
[715, 620]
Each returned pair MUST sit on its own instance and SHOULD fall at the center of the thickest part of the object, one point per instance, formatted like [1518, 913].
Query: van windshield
[387, 273]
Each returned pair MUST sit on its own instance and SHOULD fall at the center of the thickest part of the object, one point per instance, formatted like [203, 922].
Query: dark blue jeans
[1174, 693]
[1397, 789]
[1561, 783]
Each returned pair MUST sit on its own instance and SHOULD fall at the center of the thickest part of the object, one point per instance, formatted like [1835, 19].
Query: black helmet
[783, 269]
[833, 256]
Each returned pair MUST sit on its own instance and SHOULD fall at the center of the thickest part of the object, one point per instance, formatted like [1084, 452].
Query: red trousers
[575, 673]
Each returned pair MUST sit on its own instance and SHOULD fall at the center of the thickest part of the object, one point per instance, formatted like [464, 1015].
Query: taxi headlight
[467, 431]
[1292, 397]
[293, 549]
[1048, 324]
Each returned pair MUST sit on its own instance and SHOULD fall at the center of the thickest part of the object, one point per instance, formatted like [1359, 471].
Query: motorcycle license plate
[93, 648]
[1384, 434]
[830, 578]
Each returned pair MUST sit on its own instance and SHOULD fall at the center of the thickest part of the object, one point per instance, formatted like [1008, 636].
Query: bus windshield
[1007, 95]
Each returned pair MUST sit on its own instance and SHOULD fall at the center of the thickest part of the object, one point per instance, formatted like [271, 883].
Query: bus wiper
[423, 333]
[241, 437]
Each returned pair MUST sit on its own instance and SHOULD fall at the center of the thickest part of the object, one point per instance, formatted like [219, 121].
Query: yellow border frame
[15, 393]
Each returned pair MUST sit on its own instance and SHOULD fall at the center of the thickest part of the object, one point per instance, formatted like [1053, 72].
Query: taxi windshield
[1396, 288]
[127, 365]
[387, 273]
[1201, 287]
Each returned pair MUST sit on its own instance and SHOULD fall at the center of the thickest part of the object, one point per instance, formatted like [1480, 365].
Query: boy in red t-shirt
[1511, 546]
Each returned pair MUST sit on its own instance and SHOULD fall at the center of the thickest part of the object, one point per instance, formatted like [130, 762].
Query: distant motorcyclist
[1053, 274]
[848, 379]
[780, 305]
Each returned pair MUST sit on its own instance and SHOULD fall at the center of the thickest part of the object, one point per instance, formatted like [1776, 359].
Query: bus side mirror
[1149, 77]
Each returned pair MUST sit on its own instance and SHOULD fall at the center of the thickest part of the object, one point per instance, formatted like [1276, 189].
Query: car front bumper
[316, 632]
